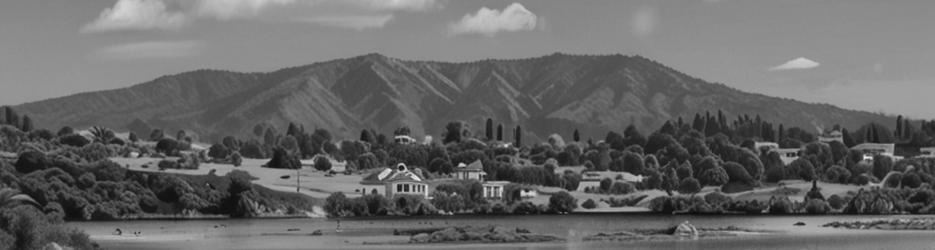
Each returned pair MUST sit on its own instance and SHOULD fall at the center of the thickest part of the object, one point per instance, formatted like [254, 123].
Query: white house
[473, 171]
[404, 139]
[928, 152]
[788, 155]
[494, 189]
[396, 181]
[831, 136]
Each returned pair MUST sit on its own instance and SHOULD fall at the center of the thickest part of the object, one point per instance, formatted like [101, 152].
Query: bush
[689, 186]
[836, 202]
[780, 205]
[714, 176]
[837, 174]
[817, 206]
[30, 161]
[218, 152]
[74, 140]
[322, 163]
[284, 160]
[168, 146]
[622, 188]
[589, 204]
[236, 159]
[562, 202]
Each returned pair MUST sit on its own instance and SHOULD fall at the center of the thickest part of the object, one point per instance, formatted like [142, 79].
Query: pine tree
[293, 130]
[576, 136]
[846, 137]
[500, 132]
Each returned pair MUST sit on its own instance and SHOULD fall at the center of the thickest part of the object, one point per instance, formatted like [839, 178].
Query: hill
[554, 93]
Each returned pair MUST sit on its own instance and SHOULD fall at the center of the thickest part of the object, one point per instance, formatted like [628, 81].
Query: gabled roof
[393, 175]
[473, 167]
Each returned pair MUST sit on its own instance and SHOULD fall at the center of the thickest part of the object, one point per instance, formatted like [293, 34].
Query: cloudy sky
[869, 55]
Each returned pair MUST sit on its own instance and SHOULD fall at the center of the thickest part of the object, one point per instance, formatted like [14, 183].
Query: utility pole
[298, 175]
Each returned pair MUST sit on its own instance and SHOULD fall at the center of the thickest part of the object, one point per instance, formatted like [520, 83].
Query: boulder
[686, 230]
[420, 238]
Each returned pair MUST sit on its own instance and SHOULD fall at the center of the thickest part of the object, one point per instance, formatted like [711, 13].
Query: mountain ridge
[548, 94]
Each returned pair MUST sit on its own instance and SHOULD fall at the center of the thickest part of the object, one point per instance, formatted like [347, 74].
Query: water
[361, 233]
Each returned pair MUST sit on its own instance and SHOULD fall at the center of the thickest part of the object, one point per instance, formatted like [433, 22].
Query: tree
[218, 151]
[589, 204]
[632, 136]
[714, 176]
[66, 130]
[27, 124]
[30, 161]
[236, 159]
[293, 130]
[167, 146]
[576, 136]
[737, 173]
[518, 136]
[499, 132]
[689, 186]
[156, 135]
[489, 129]
[322, 164]
[282, 159]
[10, 198]
[562, 202]
[882, 165]
[455, 132]
[803, 169]
[133, 137]
[367, 136]
[404, 130]
[74, 140]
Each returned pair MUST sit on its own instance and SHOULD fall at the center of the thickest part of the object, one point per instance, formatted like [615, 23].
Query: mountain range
[550, 94]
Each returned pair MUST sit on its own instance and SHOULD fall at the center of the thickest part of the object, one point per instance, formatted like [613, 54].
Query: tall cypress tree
[899, 127]
[576, 136]
[518, 135]
[500, 132]
[489, 129]
[27, 124]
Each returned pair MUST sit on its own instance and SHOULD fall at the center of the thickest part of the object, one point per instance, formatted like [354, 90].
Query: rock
[686, 230]
[799, 224]
[54, 246]
[447, 234]
[522, 230]
[420, 238]
[316, 232]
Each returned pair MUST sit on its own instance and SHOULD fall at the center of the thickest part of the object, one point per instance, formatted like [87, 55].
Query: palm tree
[10, 198]
[101, 134]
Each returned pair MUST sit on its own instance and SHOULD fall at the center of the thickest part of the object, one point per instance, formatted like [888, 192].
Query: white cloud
[233, 9]
[394, 5]
[489, 22]
[798, 63]
[643, 22]
[150, 49]
[136, 15]
[352, 22]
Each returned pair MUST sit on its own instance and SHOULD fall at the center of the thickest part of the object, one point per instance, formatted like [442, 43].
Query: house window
[406, 188]
[399, 187]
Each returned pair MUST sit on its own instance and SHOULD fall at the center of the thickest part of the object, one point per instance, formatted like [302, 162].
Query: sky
[857, 54]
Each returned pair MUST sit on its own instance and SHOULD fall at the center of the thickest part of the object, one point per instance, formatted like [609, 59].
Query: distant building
[871, 150]
[829, 137]
[494, 189]
[473, 171]
[765, 146]
[528, 193]
[788, 155]
[928, 152]
[398, 181]
[403, 139]
[589, 183]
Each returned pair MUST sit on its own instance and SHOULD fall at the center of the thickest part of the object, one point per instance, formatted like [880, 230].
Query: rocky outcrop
[892, 224]
[686, 230]
[479, 234]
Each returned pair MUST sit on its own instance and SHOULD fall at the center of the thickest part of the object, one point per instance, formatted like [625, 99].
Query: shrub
[284, 160]
[689, 186]
[74, 140]
[218, 152]
[167, 164]
[236, 159]
[780, 205]
[589, 204]
[622, 188]
[737, 173]
[817, 206]
[562, 202]
[30, 161]
[167, 146]
[836, 202]
[714, 176]
[837, 174]
[911, 180]
[322, 164]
